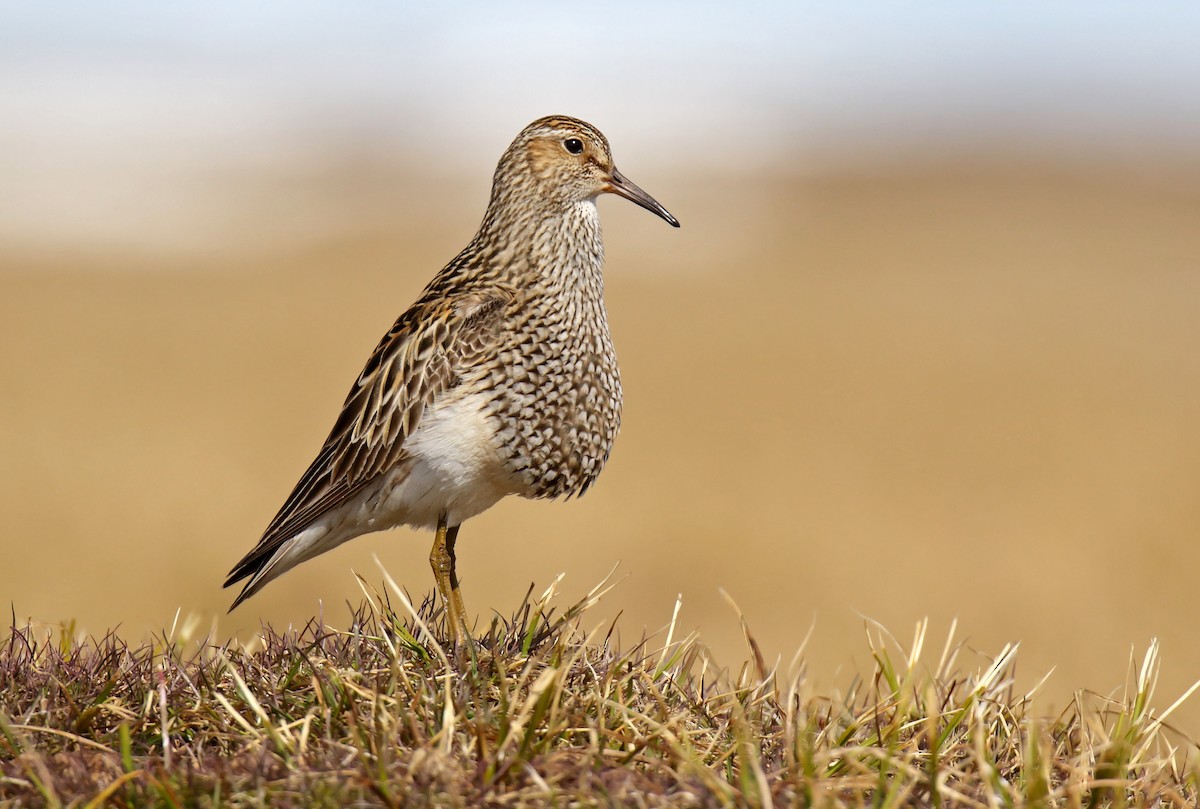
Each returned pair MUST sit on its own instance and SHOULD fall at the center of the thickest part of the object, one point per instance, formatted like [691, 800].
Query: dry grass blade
[540, 711]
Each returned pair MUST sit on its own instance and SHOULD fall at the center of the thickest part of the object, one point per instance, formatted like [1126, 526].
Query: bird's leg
[442, 560]
[456, 599]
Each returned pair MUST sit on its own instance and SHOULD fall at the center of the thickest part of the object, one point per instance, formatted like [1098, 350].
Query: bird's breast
[559, 401]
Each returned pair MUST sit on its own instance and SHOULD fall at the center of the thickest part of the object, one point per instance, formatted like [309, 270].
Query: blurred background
[926, 344]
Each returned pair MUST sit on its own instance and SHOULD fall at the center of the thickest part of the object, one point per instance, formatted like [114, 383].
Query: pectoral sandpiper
[501, 379]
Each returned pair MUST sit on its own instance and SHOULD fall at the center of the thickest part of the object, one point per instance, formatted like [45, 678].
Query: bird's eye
[574, 145]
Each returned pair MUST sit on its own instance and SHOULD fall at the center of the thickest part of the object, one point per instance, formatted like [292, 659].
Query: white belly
[455, 469]
[452, 469]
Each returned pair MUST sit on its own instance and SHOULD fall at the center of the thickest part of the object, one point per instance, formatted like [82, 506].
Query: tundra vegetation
[542, 710]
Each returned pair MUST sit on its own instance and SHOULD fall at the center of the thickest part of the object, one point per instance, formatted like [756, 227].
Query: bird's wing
[418, 359]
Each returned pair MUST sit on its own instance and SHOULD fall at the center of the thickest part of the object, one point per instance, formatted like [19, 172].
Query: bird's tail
[264, 564]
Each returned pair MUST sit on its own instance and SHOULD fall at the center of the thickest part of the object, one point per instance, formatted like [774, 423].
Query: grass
[542, 712]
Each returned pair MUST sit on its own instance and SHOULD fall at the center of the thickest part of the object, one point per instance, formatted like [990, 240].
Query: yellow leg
[442, 560]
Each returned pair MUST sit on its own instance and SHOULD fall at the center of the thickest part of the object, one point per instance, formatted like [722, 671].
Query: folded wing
[421, 357]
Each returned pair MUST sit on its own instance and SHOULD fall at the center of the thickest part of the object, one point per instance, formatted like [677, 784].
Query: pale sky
[137, 88]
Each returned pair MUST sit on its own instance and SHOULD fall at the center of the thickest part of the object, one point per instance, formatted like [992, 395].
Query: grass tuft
[541, 711]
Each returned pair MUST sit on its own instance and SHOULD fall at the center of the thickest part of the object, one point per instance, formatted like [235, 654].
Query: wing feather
[420, 358]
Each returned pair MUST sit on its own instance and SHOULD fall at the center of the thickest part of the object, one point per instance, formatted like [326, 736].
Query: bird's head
[569, 161]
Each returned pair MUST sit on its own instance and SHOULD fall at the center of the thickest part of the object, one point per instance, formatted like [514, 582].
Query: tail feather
[264, 564]
[285, 545]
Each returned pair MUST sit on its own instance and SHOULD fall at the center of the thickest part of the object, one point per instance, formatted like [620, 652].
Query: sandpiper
[501, 379]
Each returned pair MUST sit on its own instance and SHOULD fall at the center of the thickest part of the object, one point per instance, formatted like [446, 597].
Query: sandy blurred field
[966, 390]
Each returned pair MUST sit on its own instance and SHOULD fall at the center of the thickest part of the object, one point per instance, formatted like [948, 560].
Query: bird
[501, 379]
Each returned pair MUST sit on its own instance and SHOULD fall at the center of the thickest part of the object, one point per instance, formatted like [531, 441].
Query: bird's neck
[569, 251]
[562, 250]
